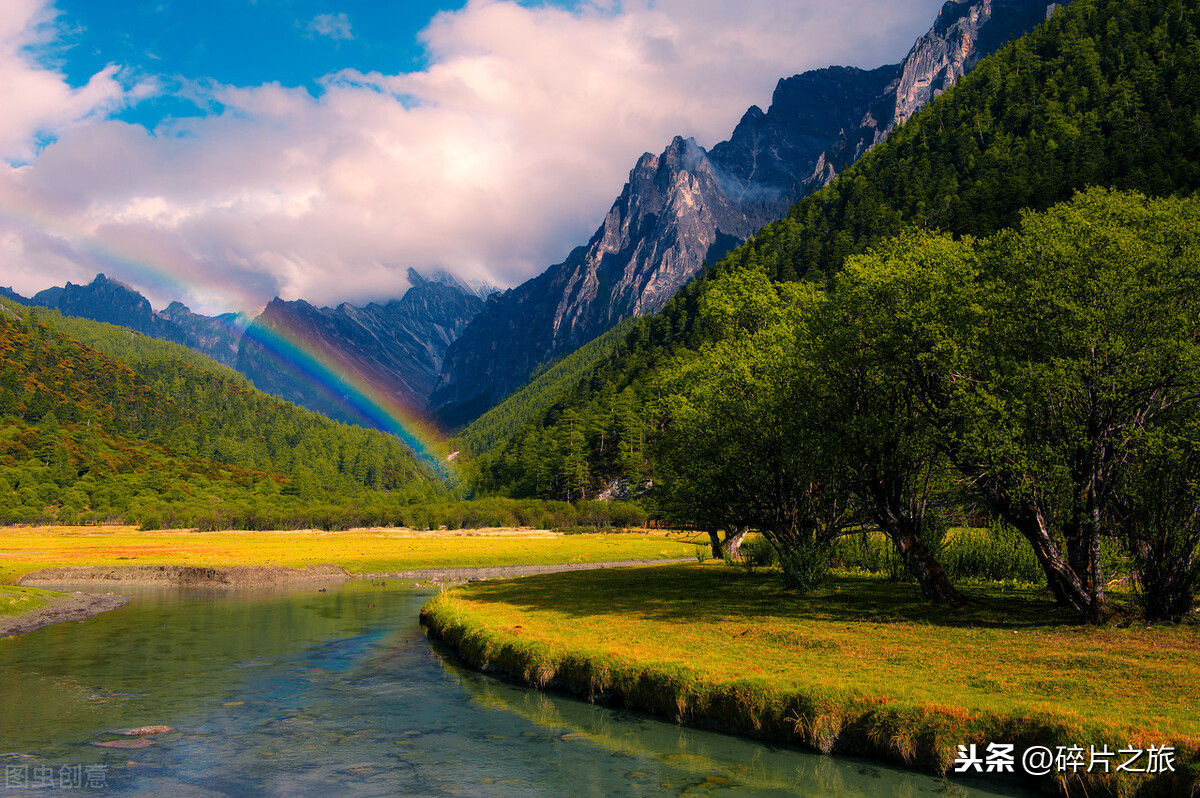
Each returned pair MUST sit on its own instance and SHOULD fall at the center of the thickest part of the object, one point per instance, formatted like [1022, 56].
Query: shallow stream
[338, 693]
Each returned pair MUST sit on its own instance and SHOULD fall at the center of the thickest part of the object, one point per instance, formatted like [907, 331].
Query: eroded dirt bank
[237, 576]
[244, 576]
[74, 607]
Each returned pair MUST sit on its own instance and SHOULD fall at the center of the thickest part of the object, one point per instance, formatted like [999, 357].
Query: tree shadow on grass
[714, 593]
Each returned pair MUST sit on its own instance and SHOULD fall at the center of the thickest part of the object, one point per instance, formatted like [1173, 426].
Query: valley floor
[862, 666]
[111, 556]
[24, 550]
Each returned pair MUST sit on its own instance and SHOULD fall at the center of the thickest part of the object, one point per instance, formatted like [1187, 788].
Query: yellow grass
[27, 549]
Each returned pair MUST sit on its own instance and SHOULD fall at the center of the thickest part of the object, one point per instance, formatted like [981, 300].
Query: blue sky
[239, 42]
[221, 152]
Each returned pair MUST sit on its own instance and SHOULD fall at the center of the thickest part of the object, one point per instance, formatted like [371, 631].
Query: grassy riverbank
[20, 600]
[862, 666]
[27, 549]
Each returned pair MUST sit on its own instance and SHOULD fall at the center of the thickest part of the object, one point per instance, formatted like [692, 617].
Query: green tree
[1045, 365]
[746, 442]
[887, 450]
[574, 471]
[1158, 514]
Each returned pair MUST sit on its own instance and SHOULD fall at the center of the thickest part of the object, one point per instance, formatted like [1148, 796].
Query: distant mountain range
[689, 206]
[116, 303]
[398, 346]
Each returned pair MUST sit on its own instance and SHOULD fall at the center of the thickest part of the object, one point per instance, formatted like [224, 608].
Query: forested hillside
[528, 404]
[163, 435]
[1106, 93]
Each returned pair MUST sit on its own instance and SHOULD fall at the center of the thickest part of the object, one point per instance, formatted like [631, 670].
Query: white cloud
[335, 26]
[37, 102]
[492, 162]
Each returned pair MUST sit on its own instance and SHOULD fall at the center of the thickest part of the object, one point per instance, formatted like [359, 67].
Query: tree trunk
[1096, 577]
[903, 524]
[734, 540]
[1079, 553]
[714, 539]
[931, 577]
[1061, 578]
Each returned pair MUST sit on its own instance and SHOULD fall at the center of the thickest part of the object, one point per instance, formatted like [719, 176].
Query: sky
[225, 152]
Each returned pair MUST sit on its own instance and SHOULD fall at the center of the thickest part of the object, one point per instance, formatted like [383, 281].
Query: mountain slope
[687, 206]
[529, 402]
[1103, 94]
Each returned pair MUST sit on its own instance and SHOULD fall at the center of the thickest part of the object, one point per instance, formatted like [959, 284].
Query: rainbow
[309, 361]
[141, 263]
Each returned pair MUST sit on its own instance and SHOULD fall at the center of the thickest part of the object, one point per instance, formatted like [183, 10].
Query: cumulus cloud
[335, 26]
[492, 162]
[37, 102]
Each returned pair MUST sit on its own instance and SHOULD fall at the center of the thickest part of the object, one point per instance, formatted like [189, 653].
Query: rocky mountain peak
[414, 277]
[964, 32]
[176, 308]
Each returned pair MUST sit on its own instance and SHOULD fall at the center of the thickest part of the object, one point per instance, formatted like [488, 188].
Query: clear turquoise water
[303, 693]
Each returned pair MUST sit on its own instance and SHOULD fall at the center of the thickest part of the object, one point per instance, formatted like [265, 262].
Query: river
[304, 693]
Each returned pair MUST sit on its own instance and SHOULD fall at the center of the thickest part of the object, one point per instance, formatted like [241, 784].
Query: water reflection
[306, 693]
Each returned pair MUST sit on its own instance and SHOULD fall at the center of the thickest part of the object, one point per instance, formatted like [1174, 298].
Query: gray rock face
[397, 347]
[215, 336]
[686, 207]
[965, 32]
[962, 35]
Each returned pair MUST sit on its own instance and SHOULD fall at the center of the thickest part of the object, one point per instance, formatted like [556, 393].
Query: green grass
[20, 600]
[862, 666]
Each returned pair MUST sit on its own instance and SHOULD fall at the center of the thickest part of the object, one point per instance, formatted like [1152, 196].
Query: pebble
[144, 731]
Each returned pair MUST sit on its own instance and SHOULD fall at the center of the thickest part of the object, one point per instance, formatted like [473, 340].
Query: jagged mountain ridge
[396, 346]
[111, 301]
[689, 206]
[962, 34]
[8, 293]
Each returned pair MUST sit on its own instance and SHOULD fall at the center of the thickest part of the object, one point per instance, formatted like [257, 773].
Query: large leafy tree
[888, 449]
[745, 443]
[1051, 358]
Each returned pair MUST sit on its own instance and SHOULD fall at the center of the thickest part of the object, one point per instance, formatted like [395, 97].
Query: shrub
[757, 552]
[805, 566]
